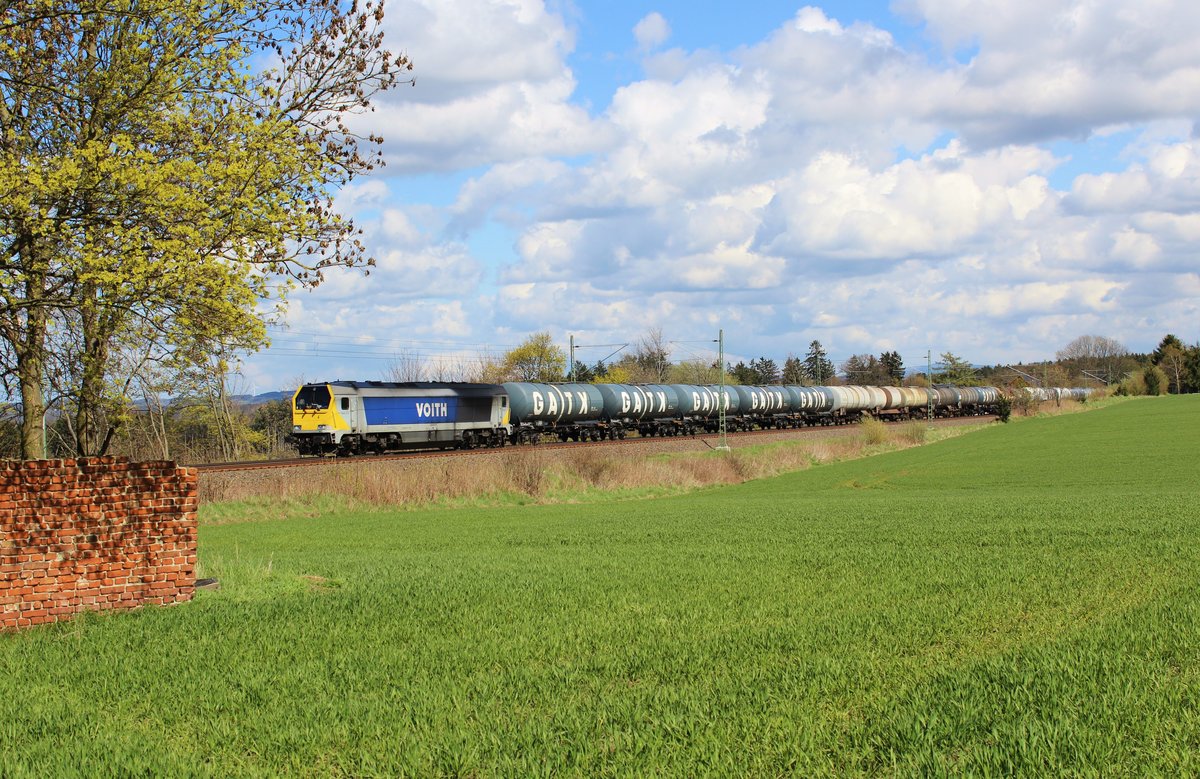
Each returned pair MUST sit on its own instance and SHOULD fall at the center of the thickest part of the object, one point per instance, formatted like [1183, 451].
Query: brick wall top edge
[92, 462]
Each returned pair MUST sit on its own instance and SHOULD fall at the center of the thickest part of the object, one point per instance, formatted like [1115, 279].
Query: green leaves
[165, 166]
[536, 359]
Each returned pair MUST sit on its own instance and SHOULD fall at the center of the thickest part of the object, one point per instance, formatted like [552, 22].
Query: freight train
[364, 417]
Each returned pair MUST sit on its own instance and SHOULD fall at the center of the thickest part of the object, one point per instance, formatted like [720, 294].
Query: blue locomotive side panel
[410, 411]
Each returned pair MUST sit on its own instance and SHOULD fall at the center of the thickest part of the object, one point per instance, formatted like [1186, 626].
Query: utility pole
[574, 346]
[929, 381]
[722, 440]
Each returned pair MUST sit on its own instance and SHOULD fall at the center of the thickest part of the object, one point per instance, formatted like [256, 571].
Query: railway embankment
[637, 468]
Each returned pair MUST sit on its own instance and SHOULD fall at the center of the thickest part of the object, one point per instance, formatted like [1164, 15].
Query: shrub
[1021, 400]
[1156, 380]
[527, 472]
[874, 431]
[1004, 408]
[1133, 384]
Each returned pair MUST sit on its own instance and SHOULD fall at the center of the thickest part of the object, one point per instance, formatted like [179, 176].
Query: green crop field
[1020, 600]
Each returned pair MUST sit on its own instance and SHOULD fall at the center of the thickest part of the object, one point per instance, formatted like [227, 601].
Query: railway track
[710, 439]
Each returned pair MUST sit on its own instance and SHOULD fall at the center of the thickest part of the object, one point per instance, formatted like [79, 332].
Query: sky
[990, 179]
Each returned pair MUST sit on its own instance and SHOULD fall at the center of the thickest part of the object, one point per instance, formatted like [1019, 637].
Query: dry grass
[913, 432]
[874, 432]
[529, 475]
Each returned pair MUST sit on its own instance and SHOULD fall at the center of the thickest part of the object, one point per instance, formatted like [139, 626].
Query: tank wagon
[359, 417]
[1044, 394]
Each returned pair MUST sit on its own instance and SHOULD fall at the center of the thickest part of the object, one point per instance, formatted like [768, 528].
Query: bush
[1004, 408]
[1020, 400]
[874, 431]
[1133, 384]
[1156, 380]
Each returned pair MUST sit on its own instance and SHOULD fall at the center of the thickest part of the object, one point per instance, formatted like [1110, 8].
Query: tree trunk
[91, 436]
[33, 407]
[30, 348]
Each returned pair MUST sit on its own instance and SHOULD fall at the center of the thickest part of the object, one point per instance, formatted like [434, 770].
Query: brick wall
[93, 533]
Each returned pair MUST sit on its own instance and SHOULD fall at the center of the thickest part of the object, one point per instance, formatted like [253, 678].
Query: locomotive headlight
[323, 428]
[296, 428]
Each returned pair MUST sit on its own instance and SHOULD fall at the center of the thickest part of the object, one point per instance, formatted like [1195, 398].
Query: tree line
[1090, 360]
[205, 420]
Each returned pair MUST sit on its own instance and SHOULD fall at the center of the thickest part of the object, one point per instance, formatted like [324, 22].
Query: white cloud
[837, 208]
[651, 31]
[823, 182]
[1057, 70]
[492, 85]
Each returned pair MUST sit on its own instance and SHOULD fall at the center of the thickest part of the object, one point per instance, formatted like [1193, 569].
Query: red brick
[96, 532]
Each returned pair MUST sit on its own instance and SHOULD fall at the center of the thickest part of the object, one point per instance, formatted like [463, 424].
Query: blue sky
[990, 179]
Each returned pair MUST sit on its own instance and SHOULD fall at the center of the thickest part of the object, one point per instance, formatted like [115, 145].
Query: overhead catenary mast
[722, 440]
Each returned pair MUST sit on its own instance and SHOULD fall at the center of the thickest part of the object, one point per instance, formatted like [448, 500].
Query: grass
[1021, 600]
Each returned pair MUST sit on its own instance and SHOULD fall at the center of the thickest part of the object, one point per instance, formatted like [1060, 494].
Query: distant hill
[262, 397]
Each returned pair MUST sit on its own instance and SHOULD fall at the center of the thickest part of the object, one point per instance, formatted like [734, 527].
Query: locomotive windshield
[313, 396]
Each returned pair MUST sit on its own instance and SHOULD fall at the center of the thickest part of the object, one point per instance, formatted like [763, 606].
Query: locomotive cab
[318, 421]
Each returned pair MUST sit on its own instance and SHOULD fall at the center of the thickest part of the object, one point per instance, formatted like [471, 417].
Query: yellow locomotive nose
[313, 410]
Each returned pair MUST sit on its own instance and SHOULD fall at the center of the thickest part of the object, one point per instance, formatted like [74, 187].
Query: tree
[652, 358]
[1174, 363]
[158, 182]
[742, 374]
[955, 370]
[536, 359]
[485, 369]
[764, 371]
[1192, 369]
[1169, 341]
[406, 366]
[1097, 356]
[817, 364]
[1171, 356]
[854, 369]
[273, 422]
[793, 371]
[865, 369]
[1156, 381]
[610, 374]
[694, 372]
[583, 373]
[894, 366]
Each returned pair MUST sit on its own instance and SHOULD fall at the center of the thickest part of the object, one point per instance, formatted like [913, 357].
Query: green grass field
[1020, 600]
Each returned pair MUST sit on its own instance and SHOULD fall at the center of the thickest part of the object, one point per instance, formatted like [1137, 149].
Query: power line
[334, 337]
